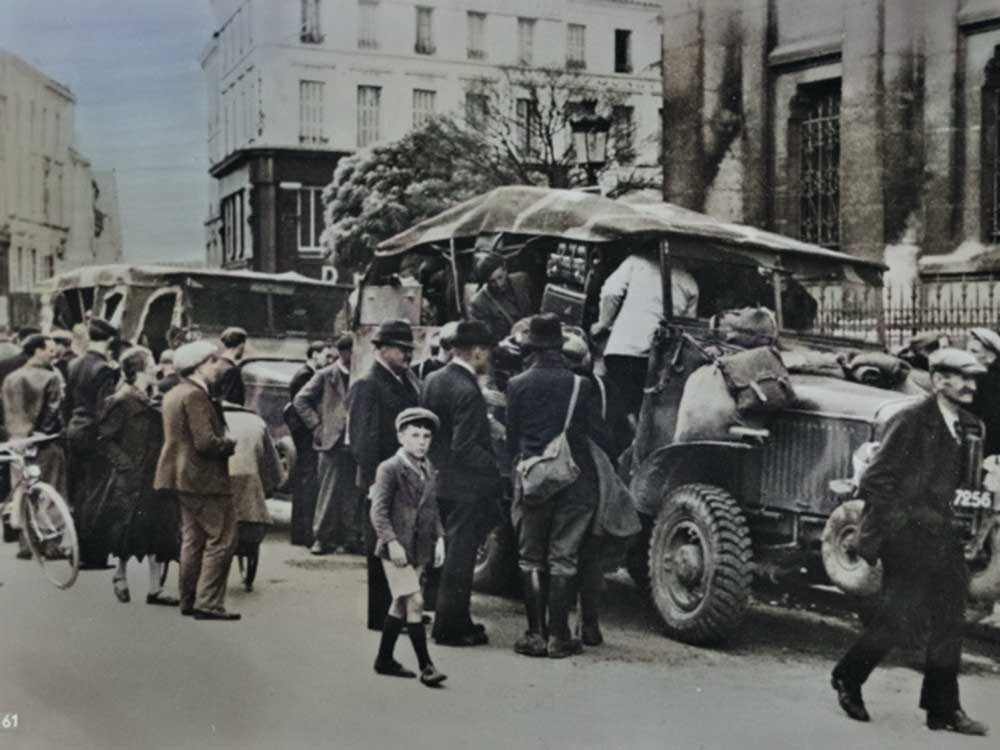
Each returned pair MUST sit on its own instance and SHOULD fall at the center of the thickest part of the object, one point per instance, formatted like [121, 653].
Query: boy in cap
[405, 517]
[909, 489]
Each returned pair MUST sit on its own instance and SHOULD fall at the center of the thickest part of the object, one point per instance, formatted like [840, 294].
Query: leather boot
[562, 596]
[532, 643]
[591, 582]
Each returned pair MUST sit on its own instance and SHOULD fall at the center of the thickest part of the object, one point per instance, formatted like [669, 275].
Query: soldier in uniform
[909, 489]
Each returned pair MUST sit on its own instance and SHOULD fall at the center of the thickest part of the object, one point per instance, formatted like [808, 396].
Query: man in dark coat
[550, 532]
[468, 477]
[92, 379]
[230, 386]
[909, 491]
[194, 464]
[375, 401]
[322, 406]
[984, 345]
[305, 482]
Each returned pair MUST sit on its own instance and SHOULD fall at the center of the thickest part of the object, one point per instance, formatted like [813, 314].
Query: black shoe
[204, 614]
[394, 669]
[849, 698]
[187, 611]
[590, 634]
[163, 600]
[431, 677]
[957, 721]
[531, 644]
[560, 648]
[467, 639]
[478, 627]
[23, 554]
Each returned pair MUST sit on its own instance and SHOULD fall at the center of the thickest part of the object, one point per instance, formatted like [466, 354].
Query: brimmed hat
[394, 333]
[416, 414]
[345, 343]
[988, 338]
[446, 335]
[472, 333]
[98, 329]
[949, 359]
[544, 332]
[189, 356]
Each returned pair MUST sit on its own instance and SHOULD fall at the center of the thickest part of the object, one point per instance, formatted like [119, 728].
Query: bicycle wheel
[50, 533]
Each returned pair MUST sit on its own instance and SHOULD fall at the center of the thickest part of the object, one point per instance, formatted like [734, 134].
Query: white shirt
[634, 292]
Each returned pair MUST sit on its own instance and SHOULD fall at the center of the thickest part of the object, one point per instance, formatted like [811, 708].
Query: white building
[295, 84]
[46, 188]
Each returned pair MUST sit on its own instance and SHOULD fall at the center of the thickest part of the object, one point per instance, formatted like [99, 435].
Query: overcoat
[404, 509]
[375, 401]
[322, 406]
[195, 452]
[92, 380]
[462, 448]
[913, 476]
[255, 468]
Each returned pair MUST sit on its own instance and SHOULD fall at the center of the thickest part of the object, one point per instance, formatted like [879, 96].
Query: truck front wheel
[700, 564]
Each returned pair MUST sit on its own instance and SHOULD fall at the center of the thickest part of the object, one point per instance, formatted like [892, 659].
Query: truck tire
[700, 564]
[845, 568]
[496, 563]
[984, 582]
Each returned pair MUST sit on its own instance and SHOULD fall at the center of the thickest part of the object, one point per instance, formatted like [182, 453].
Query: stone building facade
[294, 85]
[863, 125]
[47, 196]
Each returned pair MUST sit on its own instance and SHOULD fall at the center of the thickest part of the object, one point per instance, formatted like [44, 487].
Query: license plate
[974, 499]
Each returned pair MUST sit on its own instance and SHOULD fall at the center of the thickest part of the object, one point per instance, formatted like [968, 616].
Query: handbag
[543, 476]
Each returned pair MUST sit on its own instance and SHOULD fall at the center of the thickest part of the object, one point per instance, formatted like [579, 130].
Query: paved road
[83, 671]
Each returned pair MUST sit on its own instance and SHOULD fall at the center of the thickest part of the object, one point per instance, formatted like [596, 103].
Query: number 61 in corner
[9, 722]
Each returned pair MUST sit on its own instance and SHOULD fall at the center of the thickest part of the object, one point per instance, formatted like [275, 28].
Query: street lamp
[590, 139]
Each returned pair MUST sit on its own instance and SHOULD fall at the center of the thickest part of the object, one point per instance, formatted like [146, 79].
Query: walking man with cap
[544, 401]
[194, 464]
[909, 489]
[375, 401]
[92, 379]
[984, 345]
[322, 407]
[230, 385]
[468, 478]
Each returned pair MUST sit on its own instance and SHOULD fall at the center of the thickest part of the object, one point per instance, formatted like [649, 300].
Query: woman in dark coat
[137, 521]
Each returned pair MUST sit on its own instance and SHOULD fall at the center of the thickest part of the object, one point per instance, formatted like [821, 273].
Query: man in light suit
[194, 464]
[322, 406]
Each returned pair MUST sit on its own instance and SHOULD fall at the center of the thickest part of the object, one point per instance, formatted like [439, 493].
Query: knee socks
[418, 637]
[390, 633]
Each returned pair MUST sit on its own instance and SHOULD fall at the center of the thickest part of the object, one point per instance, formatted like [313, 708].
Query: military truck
[723, 497]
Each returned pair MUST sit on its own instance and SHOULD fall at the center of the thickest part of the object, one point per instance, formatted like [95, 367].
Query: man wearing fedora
[374, 402]
[550, 533]
[194, 464]
[468, 478]
[909, 489]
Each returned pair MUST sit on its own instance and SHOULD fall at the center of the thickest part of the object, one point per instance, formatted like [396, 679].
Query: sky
[140, 105]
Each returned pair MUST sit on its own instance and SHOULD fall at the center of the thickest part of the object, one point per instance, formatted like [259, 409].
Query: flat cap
[987, 337]
[233, 336]
[416, 414]
[99, 329]
[189, 356]
[949, 359]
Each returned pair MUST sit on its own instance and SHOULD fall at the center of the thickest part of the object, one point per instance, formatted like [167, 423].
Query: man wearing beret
[908, 490]
[321, 405]
[230, 385]
[468, 477]
[503, 299]
[92, 379]
[194, 464]
[375, 400]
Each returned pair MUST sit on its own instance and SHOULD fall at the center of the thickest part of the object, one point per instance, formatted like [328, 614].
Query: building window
[310, 32]
[368, 24]
[425, 31]
[46, 188]
[5, 270]
[525, 41]
[476, 110]
[34, 267]
[423, 106]
[369, 114]
[3, 127]
[623, 133]
[990, 159]
[623, 51]
[311, 112]
[310, 213]
[20, 268]
[527, 127]
[576, 46]
[816, 124]
[50, 266]
[233, 230]
[476, 32]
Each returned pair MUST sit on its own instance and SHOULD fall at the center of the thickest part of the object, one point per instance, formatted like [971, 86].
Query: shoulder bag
[543, 476]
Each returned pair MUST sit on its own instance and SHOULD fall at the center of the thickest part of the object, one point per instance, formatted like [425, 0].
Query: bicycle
[41, 512]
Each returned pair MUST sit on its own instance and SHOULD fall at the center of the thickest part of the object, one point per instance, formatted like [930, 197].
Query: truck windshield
[271, 310]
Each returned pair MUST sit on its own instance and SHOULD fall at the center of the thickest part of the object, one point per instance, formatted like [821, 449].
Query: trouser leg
[379, 598]
[462, 536]
[946, 607]
[155, 575]
[218, 520]
[304, 496]
[591, 575]
[326, 521]
[192, 547]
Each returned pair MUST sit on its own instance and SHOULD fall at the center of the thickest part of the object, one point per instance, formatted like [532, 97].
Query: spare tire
[846, 569]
